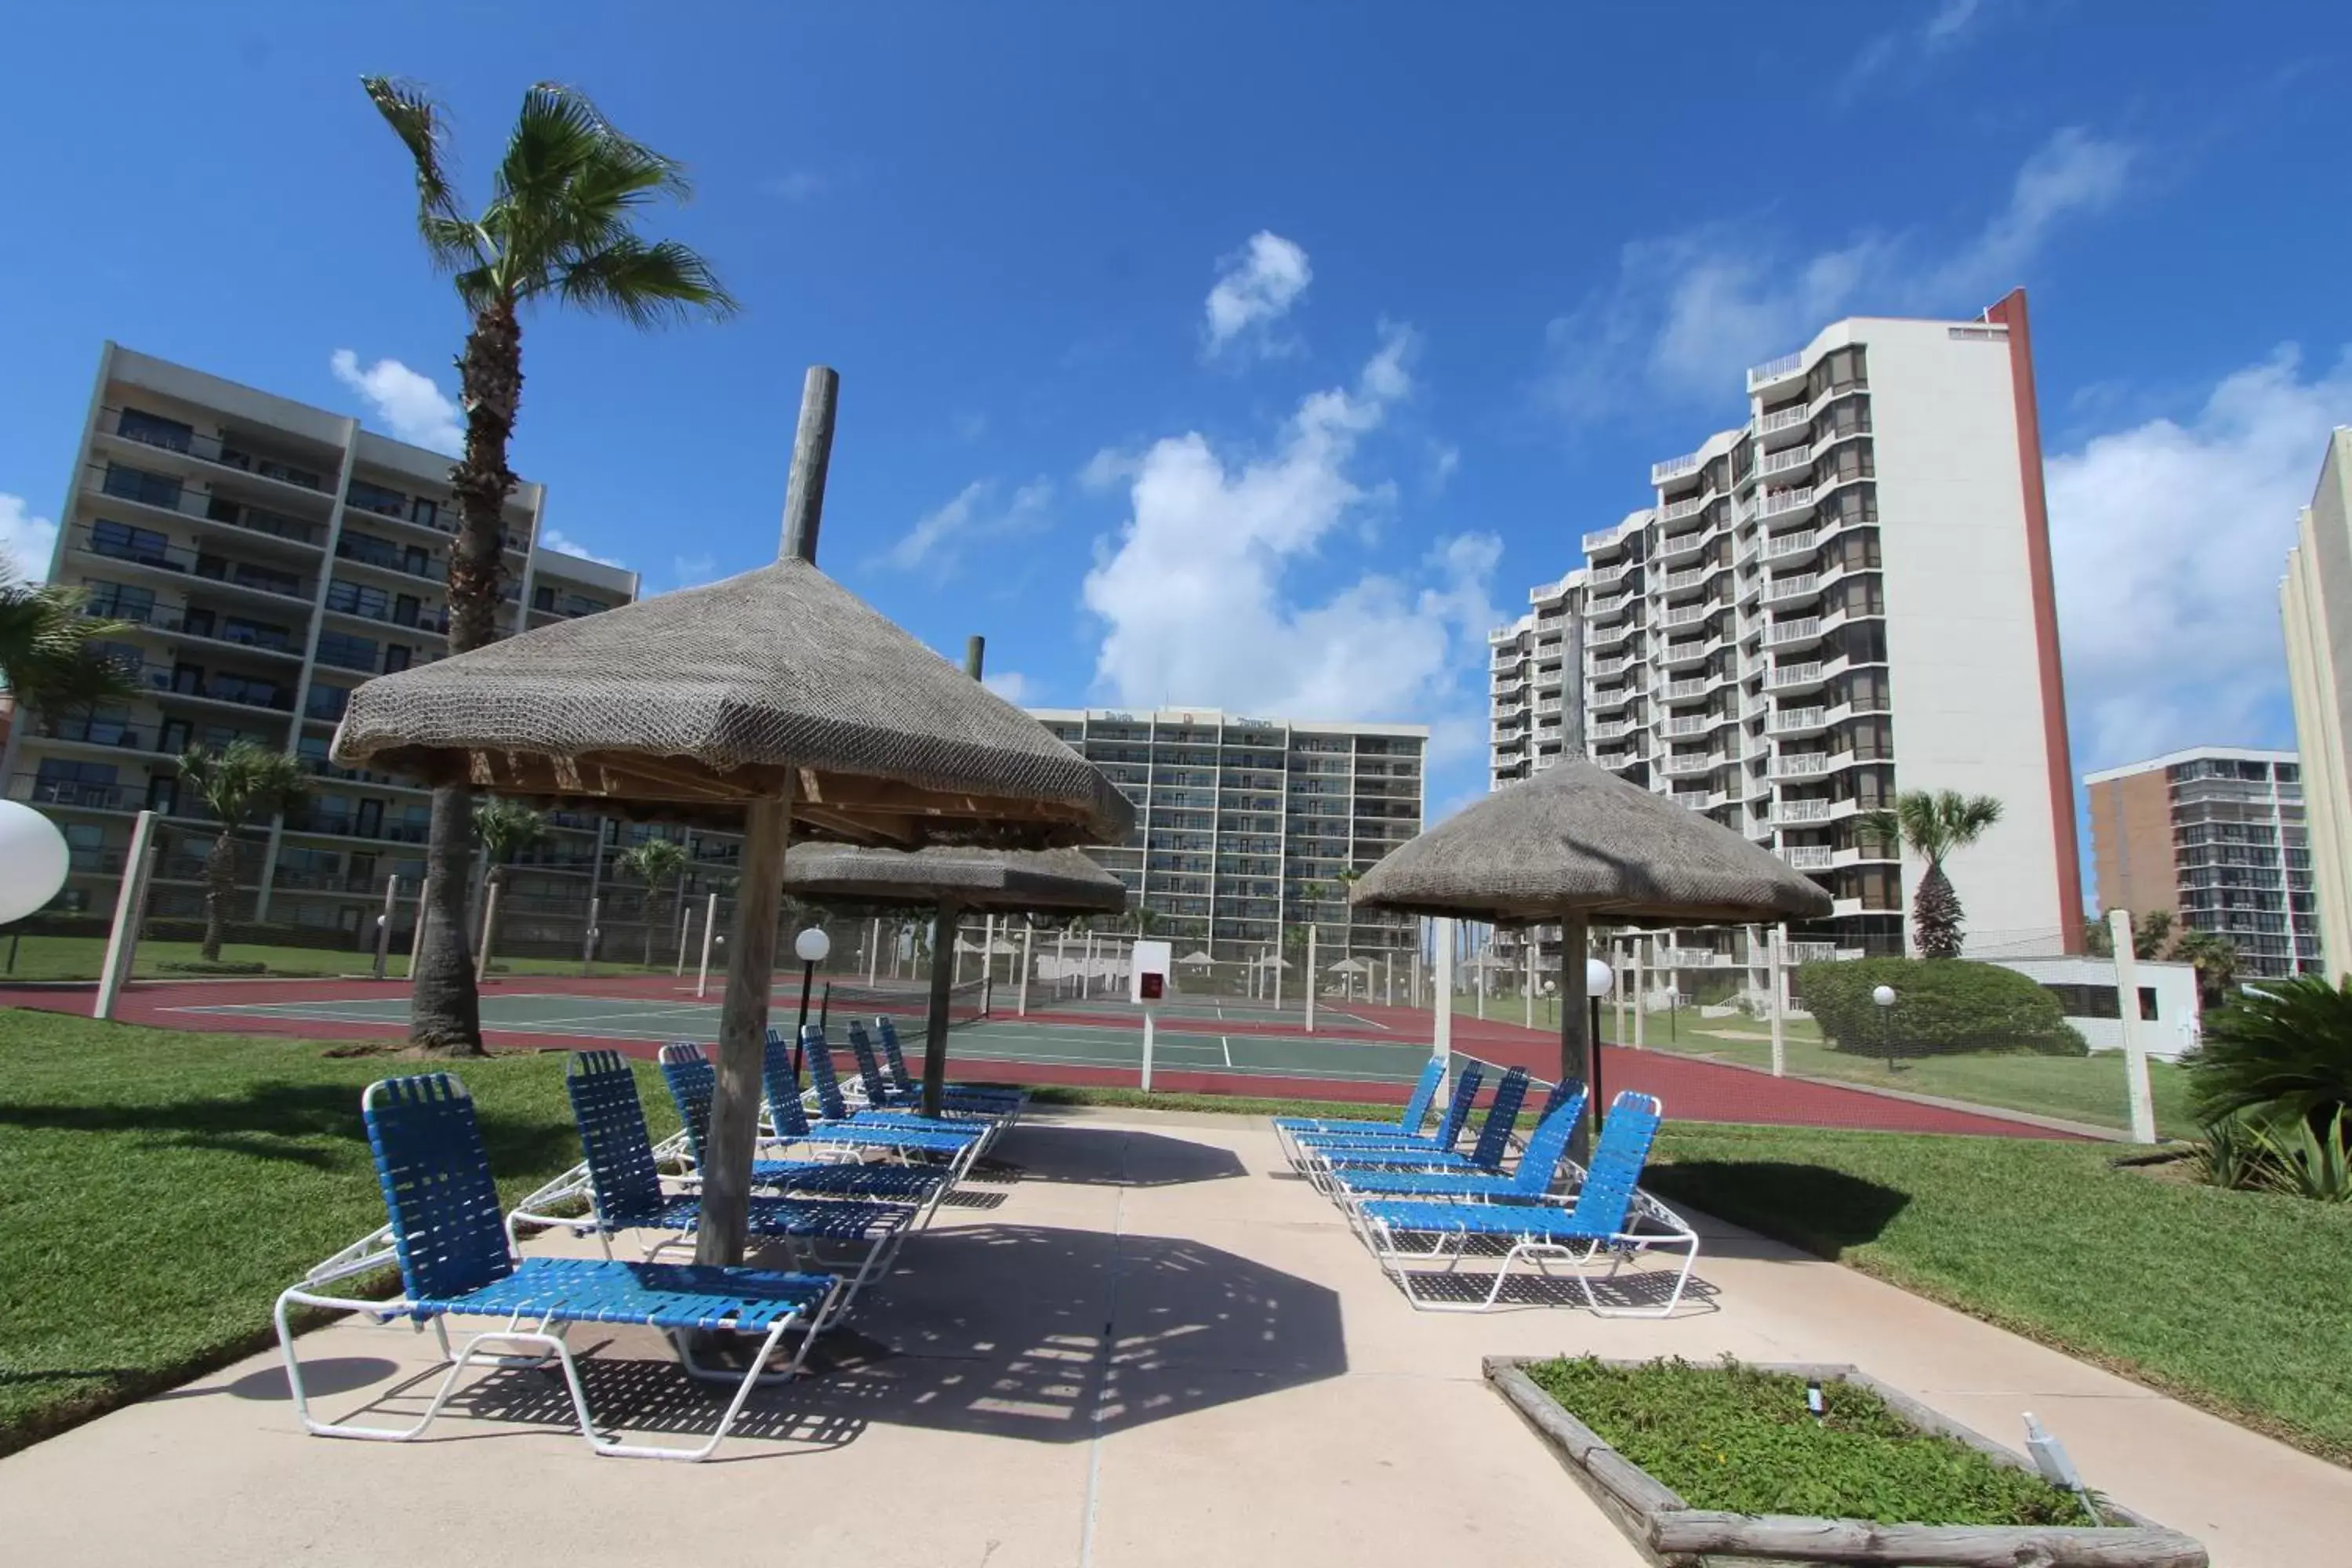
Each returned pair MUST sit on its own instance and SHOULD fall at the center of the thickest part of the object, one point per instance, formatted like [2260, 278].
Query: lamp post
[1884, 997]
[811, 948]
[1599, 979]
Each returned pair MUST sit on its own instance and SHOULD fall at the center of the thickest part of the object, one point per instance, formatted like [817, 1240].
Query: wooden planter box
[1670, 1531]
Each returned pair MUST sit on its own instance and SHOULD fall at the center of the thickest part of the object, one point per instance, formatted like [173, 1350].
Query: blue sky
[1253, 357]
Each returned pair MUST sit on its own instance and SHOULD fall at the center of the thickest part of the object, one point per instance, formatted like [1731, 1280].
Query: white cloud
[1013, 686]
[556, 538]
[1688, 312]
[2167, 542]
[1197, 593]
[1910, 47]
[26, 542]
[1256, 288]
[410, 405]
[939, 537]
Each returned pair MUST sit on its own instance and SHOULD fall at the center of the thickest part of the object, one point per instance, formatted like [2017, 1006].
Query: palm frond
[243, 780]
[645, 285]
[416, 119]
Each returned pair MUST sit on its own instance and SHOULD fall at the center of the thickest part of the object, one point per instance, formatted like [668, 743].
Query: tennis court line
[1227, 1046]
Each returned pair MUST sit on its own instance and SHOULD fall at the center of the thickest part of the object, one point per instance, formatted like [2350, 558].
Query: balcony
[1783, 419]
[1797, 720]
[1677, 691]
[1780, 503]
[1763, 375]
[1615, 760]
[1677, 511]
[1686, 766]
[110, 733]
[411, 563]
[1696, 724]
[1806, 629]
[1600, 539]
[1801, 811]
[1808, 856]
[1687, 650]
[1673, 468]
[353, 825]
[73, 795]
[1689, 799]
[233, 689]
[1604, 668]
[1791, 675]
[1610, 731]
[1785, 544]
[1695, 578]
[203, 625]
[1687, 614]
[163, 493]
[1802, 585]
[1790, 461]
[1609, 632]
[1800, 764]
[1606, 607]
[164, 435]
[124, 546]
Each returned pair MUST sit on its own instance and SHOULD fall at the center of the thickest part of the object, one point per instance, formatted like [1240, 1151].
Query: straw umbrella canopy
[951, 880]
[773, 698]
[1197, 960]
[1576, 843]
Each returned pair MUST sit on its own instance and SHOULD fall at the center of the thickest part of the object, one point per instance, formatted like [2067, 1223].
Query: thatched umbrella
[953, 881]
[771, 697]
[1575, 843]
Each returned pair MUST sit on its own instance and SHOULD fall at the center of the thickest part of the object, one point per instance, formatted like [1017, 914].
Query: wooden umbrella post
[935, 1030]
[743, 1032]
[767, 834]
[1579, 1052]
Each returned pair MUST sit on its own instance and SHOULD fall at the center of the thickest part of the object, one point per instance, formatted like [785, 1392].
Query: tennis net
[911, 1000]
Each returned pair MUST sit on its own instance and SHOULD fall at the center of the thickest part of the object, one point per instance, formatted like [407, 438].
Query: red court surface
[1690, 1089]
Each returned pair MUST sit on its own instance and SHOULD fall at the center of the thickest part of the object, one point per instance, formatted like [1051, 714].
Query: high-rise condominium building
[2215, 835]
[1847, 594]
[1248, 830]
[269, 557]
[2316, 604]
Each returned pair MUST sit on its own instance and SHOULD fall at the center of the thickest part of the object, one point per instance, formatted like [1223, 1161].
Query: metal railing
[1809, 856]
[1779, 501]
[1673, 467]
[1772, 370]
[1790, 720]
[1797, 586]
[181, 559]
[1795, 674]
[1804, 629]
[1801, 811]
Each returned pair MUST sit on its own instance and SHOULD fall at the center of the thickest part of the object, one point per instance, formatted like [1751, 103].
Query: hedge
[1942, 1007]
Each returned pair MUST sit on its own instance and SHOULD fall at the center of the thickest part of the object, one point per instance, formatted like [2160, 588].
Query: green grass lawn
[2232, 1300]
[80, 957]
[158, 1189]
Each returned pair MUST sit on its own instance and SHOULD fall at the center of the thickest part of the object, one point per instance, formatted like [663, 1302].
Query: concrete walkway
[1153, 1347]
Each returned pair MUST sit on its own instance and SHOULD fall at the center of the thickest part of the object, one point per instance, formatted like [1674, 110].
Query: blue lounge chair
[1408, 1122]
[882, 1094]
[1485, 1155]
[693, 1084]
[1317, 1149]
[854, 1237]
[1610, 1213]
[912, 1083]
[1532, 1182]
[833, 1106]
[957, 1145]
[455, 1261]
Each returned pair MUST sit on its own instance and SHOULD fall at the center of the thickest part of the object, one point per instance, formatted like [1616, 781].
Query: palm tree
[1931, 824]
[2215, 959]
[559, 229]
[654, 861]
[2282, 1050]
[237, 784]
[46, 657]
[505, 827]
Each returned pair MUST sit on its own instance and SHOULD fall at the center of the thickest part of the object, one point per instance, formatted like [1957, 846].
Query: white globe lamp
[32, 862]
[1600, 978]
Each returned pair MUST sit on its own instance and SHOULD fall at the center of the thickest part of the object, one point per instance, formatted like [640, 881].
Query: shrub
[216, 966]
[1942, 1005]
[2282, 1050]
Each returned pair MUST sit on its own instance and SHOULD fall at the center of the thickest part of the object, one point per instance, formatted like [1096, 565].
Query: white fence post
[2136, 1087]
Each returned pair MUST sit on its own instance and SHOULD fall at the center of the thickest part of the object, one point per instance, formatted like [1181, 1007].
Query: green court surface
[1212, 1009]
[1117, 1043]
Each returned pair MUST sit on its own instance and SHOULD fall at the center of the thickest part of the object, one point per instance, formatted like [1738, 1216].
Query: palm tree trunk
[445, 1012]
[220, 877]
[653, 919]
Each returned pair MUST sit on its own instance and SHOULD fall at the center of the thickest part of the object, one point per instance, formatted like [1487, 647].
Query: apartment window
[427, 512]
[257, 634]
[377, 498]
[138, 485]
[1743, 460]
[125, 542]
[327, 701]
[2100, 1001]
[345, 651]
[1869, 738]
[356, 599]
[272, 468]
[154, 430]
[120, 602]
[244, 575]
[1863, 642]
[1850, 461]
[1855, 503]
[1858, 596]
[1839, 370]
[244, 689]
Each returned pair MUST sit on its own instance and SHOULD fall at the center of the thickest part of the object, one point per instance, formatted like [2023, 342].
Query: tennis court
[1084, 1035]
